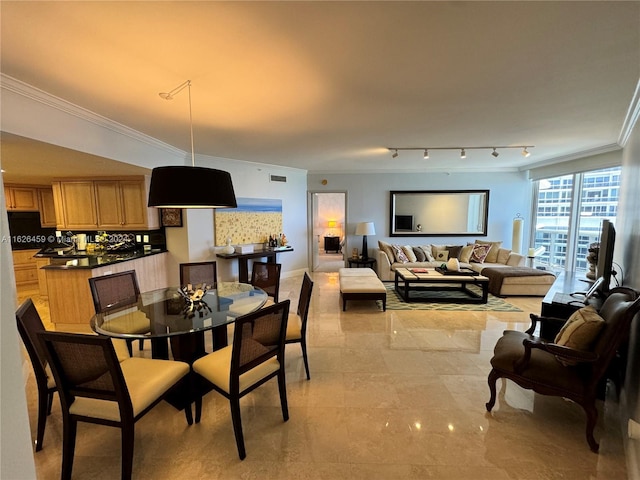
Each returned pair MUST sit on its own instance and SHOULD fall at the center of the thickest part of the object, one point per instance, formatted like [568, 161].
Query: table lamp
[332, 224]
[364, 229]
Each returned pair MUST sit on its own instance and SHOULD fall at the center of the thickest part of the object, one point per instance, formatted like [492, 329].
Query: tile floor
[392, 395]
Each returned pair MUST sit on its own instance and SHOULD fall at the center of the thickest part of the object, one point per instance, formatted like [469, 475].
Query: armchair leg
[491, 380]
[592, 418]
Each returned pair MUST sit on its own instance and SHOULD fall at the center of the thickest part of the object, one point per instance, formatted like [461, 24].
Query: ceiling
[326, 86]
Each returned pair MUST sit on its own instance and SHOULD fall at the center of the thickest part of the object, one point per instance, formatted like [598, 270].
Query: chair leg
[491, 380]
[282, 386]
[43, 411]
[129, 347]
[141, 344]
[128, 432]
[50, 402]
[188, 413]
[198, 409]
[303, 345]
[592, 418]
[237, 426]
[69, 428]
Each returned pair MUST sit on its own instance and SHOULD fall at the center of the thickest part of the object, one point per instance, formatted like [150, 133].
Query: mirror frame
[434, 231]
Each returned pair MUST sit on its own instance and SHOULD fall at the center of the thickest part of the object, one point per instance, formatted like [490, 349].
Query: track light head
[426, 154]
[463, 154]
[495, 153]
[525, 152]
[394, 154]
[166, 96]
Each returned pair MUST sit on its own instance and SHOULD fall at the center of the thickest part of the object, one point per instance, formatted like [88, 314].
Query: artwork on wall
[252, 221]
[171, 217]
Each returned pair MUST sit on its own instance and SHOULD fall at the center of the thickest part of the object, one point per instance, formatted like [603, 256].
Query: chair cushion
[147, 379]
[51, 382]
[216, 367]
[120, 346]
[580, 331]
[294, 328]
[127, 322]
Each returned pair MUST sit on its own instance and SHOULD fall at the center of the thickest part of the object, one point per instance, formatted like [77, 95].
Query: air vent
[278, 178]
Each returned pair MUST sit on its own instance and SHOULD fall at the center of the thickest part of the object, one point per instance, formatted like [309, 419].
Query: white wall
[368, 199]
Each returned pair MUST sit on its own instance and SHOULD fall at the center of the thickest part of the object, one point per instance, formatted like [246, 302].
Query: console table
[243, 259]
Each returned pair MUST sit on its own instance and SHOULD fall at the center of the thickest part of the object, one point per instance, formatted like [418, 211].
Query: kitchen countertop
[73, 259]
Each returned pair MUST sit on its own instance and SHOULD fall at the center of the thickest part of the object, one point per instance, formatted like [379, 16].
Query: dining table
[170, 316]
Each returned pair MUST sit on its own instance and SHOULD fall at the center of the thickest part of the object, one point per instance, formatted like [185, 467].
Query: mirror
[427, 213]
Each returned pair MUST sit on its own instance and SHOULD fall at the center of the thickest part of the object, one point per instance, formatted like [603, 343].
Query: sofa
[506, 270]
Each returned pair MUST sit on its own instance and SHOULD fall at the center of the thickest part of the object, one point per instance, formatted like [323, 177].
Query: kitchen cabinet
[42, 277]
[47, 207]
[77, 203]
[123, 204]
[25, 267]
[21, 198]
[104, 204]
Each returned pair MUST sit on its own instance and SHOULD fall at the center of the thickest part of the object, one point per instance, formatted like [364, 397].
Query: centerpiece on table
[193, 296]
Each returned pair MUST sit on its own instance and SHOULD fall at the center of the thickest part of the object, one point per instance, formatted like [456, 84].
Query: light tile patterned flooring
[392, 395]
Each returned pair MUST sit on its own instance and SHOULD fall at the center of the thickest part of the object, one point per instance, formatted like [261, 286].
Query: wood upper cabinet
[21, 198]
[47, 207]
[119, 204]
[78, 204]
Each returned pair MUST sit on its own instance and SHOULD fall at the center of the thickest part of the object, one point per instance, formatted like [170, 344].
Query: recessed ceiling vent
[278, 178]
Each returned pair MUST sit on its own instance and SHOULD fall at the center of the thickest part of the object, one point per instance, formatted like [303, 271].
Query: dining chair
[297, 323]
[256, 356]
[117, 290]
[266, 275]
[95, 387]
[198, 273]
[29, 324]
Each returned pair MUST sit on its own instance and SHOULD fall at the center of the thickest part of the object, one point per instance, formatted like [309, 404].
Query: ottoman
[361, 284]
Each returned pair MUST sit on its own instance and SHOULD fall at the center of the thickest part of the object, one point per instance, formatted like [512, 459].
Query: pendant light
[190, 186]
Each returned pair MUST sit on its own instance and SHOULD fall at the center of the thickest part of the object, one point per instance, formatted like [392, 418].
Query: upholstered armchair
[562, 366]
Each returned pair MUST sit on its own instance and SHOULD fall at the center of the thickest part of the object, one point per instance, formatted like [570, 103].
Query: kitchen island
[67, 279]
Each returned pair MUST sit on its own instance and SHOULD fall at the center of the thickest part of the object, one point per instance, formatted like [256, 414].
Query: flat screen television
[604, 268]
[404, 222]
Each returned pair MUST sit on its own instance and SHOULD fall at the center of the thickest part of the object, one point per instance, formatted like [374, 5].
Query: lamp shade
[332, 224]
[191, 187]
[365, 228]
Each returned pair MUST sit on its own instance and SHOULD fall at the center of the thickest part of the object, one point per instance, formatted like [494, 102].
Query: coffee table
[409, 280]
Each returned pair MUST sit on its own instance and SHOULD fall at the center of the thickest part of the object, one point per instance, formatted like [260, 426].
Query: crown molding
[612, 147]
[35, 94]
[631, 118]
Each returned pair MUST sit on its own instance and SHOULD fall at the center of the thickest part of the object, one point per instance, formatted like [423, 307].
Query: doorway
[328, 227]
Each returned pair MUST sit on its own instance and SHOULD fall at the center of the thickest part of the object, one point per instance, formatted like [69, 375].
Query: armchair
[539, 364]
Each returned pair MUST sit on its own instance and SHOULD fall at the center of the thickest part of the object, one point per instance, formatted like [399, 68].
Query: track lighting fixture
[462, 150]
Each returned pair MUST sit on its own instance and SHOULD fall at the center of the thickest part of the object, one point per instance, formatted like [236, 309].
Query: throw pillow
[580, 331]
[398, 254]
[428, 252]
[442, 255]
[386, 248]
[493, 253]
[479, 253]
[419, 253]
[503, 256]
[465, 253]
[454, 251]
[408, 251]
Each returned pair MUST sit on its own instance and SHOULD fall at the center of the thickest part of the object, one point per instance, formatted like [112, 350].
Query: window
[566, 235]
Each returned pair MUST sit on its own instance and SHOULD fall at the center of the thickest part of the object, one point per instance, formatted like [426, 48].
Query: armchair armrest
[552, 323]
[570, 355]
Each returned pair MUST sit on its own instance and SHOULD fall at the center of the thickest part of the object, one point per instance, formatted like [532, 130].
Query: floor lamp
[364, 229]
